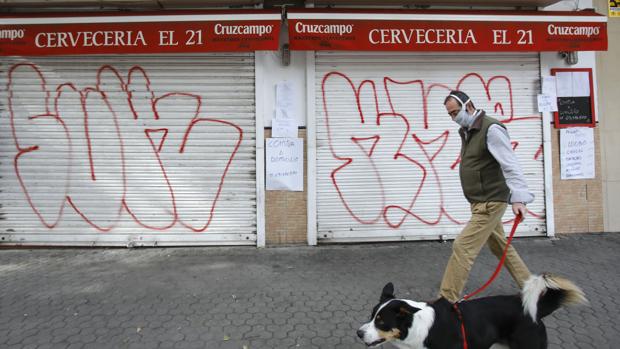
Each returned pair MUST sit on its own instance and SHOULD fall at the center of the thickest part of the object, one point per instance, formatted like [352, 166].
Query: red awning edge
[163, 32]
[367, 30]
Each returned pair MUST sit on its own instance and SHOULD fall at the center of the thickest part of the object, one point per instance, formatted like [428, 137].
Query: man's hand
[518, 208]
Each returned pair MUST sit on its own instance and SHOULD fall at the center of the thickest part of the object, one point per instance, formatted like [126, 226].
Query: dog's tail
[543, 294]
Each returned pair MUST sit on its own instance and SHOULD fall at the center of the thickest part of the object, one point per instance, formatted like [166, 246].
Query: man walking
[491, 179]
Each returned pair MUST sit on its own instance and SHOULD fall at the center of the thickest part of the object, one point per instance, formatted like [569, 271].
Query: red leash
[518, 220]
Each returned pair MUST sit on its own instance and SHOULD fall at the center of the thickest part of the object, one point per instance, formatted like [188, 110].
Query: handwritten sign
[577, 153]
[284, 164]
[574, 98]
[574, 110]
[547, 103]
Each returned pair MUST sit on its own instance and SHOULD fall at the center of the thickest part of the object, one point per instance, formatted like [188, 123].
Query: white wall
[275, 72]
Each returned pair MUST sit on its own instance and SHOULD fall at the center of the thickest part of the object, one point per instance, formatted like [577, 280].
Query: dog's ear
[405, 310]
[387, 293]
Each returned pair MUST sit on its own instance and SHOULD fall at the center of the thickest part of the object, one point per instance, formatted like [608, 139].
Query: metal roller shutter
[128, 150]
[387, 152]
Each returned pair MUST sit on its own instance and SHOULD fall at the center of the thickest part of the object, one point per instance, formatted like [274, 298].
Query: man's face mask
[463, 118]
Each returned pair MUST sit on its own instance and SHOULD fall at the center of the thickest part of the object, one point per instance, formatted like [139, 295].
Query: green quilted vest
[481, 175]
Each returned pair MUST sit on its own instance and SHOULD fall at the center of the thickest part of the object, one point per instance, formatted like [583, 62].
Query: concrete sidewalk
[293, 297]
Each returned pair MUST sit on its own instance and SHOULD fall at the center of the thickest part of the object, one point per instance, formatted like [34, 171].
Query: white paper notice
[285, 95]
[284, 124]
[547, 103]
[577, 153]
[285, 164]
[581, 84]
[282, 114]
[564, 84]
[548, 86]
[283, 127]
[573, 84]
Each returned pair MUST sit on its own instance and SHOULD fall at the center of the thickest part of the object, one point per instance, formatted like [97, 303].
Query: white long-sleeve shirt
[498, 143]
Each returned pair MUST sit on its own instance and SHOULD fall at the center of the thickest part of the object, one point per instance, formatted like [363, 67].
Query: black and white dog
[513, 321]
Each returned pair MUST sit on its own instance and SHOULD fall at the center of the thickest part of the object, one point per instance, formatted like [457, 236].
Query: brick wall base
[286, 211]
[578, 204]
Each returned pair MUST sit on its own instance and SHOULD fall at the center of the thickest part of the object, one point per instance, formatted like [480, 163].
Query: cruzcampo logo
[614, 8]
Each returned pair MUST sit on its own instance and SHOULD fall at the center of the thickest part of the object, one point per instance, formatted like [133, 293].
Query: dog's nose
[360, 333]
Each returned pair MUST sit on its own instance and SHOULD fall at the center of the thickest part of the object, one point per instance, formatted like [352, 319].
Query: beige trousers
[485, 226]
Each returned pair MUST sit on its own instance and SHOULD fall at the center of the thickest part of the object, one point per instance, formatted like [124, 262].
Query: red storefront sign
[447, 31]
[57, 34]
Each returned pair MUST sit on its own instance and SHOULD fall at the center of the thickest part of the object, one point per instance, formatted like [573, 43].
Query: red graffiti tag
[101, 155]
[422, 146]
[381, 126]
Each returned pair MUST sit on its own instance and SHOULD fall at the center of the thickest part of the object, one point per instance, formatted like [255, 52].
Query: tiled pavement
[292, 297]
